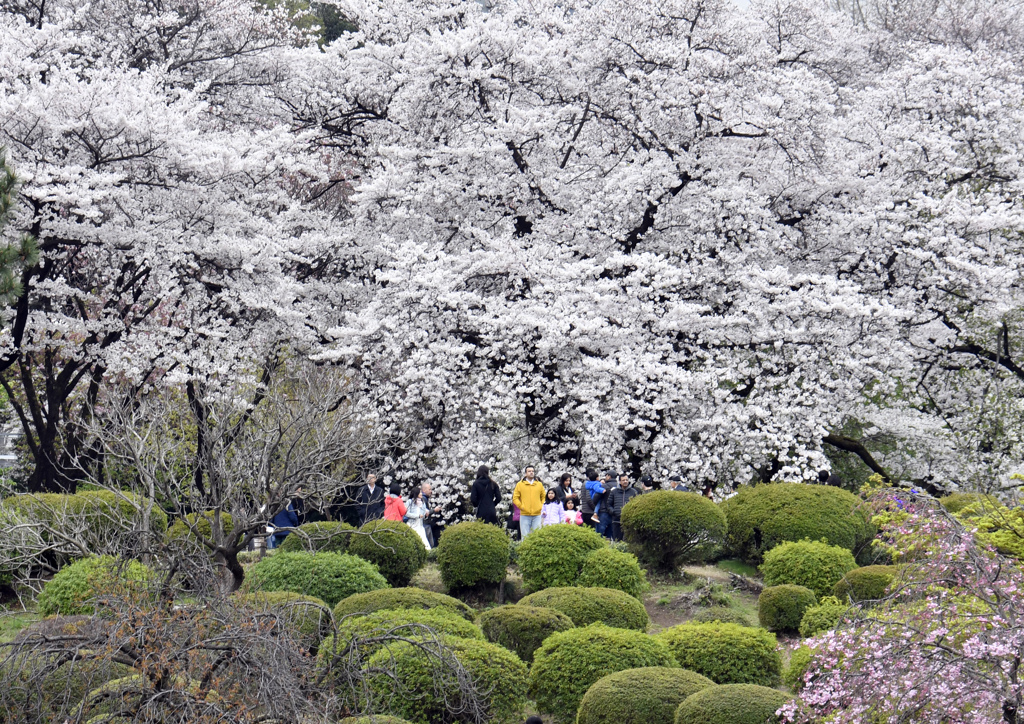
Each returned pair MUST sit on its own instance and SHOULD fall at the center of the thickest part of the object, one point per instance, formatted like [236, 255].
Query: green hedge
[826, 615]
[375, 719]
[328, 576]
[203, 524]
[53, 695]
[472, 554]
[395, 548]
[732, 704]
[763, 516]
[321, 537]
[781, 608]
[649, 695]
[609, 568]
[799, 662]
[406, 623]
[570, 662]
[306, 618]
[75, 586]
[865, 584]
[667, 529]
[812, 564]
[956, 502]
[397, 599]
[554, 555]
[522, 629]
[592, 605]
[724, 614]
[417, 694]
[726, 653]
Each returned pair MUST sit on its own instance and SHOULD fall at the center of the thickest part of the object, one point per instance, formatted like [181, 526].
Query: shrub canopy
[321, 537]
[799, 662]
[392, 546]
[725, 652]
[649, 695]
[327, 576]
[73, 590]
[812, 564]
[781, 608]
[723, 614]
[522, 629]
[666, 528]
[822, 617]
[554, 555]
[398, 599]
[472, 553]
[609, 568]
[408, 623]
[570, 662]
[763, 516]
[203, 523]
[733, 704]
[306, 618]
[593, 605]
[865, 584]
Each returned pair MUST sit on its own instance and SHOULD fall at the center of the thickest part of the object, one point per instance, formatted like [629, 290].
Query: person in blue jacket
[594, 492]
[287, 518]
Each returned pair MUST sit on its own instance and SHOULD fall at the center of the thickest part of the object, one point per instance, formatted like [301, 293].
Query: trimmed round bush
[407, 623]
[592, 605]
[799, 663]
[554, 555]
[327, 576]
[609, 568]
[104, 507]
[812, 564]
[649, 695]
[421, 698]
[733, 704]
[522, 629]
[763, 516]
[781, 608]
[956, 502]
[723, 614]
[667, 529]
[823, 617]
[376, 719]
[865, 584]
[203, 524]
[73, 589]
[471, 554]
[71, 682]
[725, 652]
[399, 599]
[570, 662]
[321, 537]
[394, 547]
[305, 617]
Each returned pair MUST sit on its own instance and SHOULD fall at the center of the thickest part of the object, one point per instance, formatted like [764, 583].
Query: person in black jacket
[485, 495]
[370, 500]
[563, 490]
[618, 498]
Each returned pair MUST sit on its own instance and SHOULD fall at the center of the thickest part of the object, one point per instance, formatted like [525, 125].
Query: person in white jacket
[415, 511]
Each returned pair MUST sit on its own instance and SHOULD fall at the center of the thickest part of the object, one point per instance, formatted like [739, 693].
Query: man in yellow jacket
[528, 496]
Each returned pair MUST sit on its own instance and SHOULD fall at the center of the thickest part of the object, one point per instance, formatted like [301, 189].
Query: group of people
[415, 510]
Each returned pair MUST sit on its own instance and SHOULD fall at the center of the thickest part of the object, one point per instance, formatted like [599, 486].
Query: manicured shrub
[327, 576]
[522, 629]
[376, 719]
[407, 623]
[554, 555]
[107, 508]
[723, 614]
[763, 516]
[570, 662]
[181, 529]
[649, 695]
[71, 682]
[826, 615]
[865, 584]
[306, 618]
[417, 694]
[593, 605]
[781, 608]
[74, 588]
[321, 537]
[399, 599]
[394, 547]
[667, 529]
[812, 564]
[733, 704]
[609, 568]
[472, 554]
[725, 652]
[799, 663]
[956, 502]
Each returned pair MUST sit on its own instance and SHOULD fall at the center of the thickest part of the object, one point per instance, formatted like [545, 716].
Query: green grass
[14, 621]
[739, 567]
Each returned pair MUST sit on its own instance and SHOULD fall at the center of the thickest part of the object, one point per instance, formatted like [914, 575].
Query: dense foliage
[649, 695]
[799, 663]
[393, 547]
[76, 587]
[609, 568]
[593, 605]
[732, 704]
[720, 613]
[409, 622]
[570, 662]
[865, 584]
[182, 529]
[324, 536]
[472, 554]
[399, 599]
[667, 529]
[812, 564]
[522, 628]
[554, 555]
[822, 617]
[782, 608]
[306, 618]
[726, 653]
[327, 576]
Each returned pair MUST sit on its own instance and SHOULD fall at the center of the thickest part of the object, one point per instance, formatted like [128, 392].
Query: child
[571, 514]
[552, 513]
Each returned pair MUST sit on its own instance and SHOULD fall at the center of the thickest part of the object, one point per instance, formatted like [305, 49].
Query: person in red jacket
[394, 507]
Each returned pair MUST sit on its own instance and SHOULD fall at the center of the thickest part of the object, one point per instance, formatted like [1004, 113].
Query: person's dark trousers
[605, 526]
[588, 519]
[616, 529]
